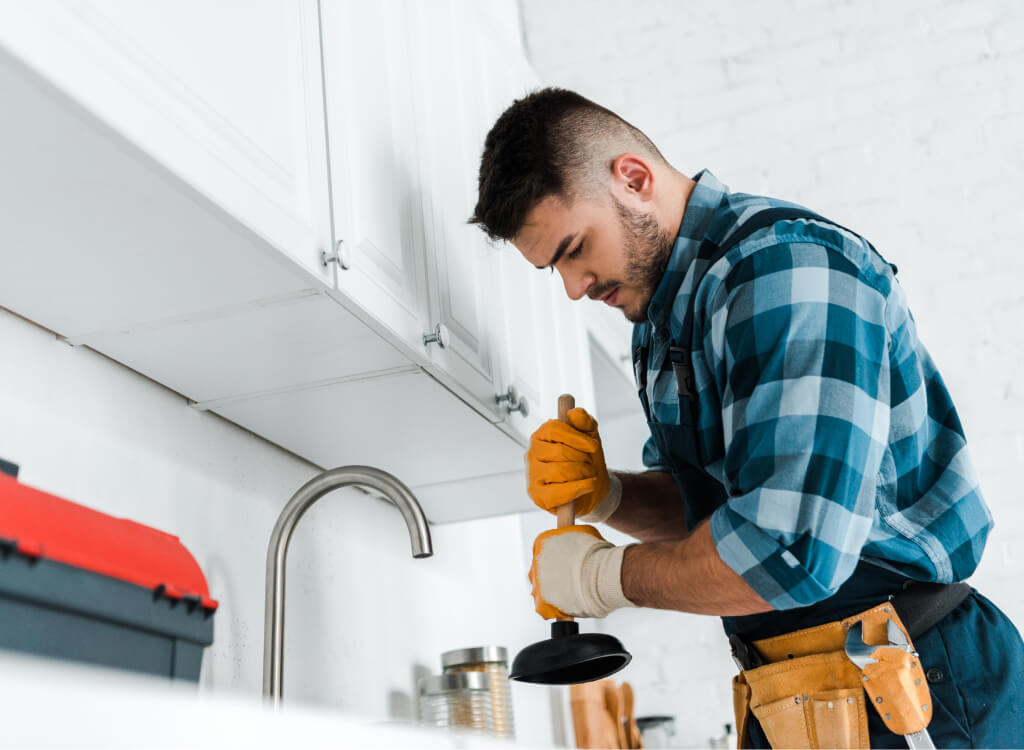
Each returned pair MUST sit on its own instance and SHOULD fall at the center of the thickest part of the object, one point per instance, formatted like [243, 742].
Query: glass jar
[456, 700]
[659, 731]
[492, 661]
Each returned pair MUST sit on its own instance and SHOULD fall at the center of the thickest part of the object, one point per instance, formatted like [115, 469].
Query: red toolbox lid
[43, 525]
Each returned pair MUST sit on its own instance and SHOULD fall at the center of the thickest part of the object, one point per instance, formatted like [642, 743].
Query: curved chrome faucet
[277, 551]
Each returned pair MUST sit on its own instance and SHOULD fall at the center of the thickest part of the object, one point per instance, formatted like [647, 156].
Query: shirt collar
[706, 197]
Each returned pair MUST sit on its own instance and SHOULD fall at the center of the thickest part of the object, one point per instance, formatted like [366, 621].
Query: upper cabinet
[527, 337]
[263, 204]
[376, 191]
[226, 95]
[448, 90]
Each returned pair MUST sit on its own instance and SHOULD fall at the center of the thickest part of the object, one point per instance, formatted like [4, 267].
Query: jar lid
[454, 681]
[646, 722]
[475, 655]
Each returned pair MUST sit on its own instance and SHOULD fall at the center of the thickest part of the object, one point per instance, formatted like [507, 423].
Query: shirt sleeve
[798, 344]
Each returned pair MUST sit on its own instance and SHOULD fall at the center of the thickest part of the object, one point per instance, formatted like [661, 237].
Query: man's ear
[632, 174]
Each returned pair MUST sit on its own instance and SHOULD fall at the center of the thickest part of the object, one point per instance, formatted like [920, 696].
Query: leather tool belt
[806, 692]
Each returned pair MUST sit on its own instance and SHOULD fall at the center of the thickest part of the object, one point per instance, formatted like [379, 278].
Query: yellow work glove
[576, 573]
[565, 462]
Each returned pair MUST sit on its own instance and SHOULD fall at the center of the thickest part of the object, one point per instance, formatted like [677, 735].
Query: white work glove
[576, 573]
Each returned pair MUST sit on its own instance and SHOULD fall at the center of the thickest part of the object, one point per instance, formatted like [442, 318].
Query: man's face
[603, 249]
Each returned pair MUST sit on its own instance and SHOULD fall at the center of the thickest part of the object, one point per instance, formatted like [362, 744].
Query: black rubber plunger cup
[569, 657]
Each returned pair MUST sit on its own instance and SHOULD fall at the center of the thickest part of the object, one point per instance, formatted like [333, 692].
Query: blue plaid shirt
[820, 411]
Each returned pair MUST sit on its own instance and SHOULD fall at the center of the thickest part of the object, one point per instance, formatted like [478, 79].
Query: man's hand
[565, 462]
[576, 573]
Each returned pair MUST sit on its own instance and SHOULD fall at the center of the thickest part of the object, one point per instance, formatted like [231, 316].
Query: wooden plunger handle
[567, 512]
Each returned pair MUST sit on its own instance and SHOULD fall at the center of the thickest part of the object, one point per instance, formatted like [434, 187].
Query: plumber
[807, 474]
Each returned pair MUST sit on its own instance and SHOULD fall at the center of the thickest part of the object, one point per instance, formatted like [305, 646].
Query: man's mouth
[609, 299]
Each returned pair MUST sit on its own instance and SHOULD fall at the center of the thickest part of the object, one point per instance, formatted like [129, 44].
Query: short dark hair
[551, 142]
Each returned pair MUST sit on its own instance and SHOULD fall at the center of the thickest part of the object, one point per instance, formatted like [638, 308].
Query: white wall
[364, 619]
[903, 120]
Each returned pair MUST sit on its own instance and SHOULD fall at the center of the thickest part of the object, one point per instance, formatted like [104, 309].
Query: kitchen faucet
[344, 476]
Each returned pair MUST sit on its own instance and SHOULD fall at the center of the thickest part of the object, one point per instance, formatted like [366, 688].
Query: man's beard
[648, 250]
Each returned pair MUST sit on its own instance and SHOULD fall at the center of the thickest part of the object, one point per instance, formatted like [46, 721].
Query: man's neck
[679, 189]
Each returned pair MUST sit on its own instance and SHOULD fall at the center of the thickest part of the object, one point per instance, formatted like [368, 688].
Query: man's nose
[577, 285]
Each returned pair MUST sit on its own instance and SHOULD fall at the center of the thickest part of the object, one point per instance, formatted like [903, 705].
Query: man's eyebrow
[566, 241]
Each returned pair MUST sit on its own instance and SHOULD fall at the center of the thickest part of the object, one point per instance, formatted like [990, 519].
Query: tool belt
[806, 692]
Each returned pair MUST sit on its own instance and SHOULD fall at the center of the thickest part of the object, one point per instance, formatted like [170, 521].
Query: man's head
[576, 188]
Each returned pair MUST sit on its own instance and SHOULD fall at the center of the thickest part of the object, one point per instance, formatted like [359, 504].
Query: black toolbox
[82, 585]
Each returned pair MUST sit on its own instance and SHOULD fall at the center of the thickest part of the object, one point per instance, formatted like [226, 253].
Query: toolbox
[82, 585]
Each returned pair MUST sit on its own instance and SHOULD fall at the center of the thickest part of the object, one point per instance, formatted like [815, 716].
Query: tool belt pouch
[741, 708]
[896, 685]
[807, 702]
[811, 695]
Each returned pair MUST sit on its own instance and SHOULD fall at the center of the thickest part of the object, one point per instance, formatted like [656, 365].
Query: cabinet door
[448, 93]
[97, 237]
[374, 171]
[548, 346]
[225, 95]
[527, 321]
[526, 342]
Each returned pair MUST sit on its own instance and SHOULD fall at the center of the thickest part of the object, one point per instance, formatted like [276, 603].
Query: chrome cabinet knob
[513, 401]
[439, 336]
[340, 255]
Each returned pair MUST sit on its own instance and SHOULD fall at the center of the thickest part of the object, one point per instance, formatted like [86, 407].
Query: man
[808, 476]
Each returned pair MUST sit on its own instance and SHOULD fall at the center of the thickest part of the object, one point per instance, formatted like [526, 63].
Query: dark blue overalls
[973, 657]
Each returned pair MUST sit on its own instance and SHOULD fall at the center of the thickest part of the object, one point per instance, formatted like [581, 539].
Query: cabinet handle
[439, 336]
[339, 255]
[514, 402]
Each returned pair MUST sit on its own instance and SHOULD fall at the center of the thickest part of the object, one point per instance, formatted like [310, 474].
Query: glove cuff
[601, 576]
[608, 505]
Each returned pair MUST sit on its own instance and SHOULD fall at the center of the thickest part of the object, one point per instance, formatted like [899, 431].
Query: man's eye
[576, 253]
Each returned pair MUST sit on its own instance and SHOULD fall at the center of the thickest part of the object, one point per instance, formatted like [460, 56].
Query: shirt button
[934, 675]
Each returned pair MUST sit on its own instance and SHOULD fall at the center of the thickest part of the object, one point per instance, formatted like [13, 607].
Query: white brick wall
[903, 120]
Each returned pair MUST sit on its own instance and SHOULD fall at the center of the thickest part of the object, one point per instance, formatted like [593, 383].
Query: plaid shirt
[820, 411]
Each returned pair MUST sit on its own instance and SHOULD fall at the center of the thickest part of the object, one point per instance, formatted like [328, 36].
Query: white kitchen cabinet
[165, 197]
[227, 96]
[448, 91]
[542, 333]
[524, 326]
[555, 359]
[98, 237]
[525, 342]
[404, 422]
[254, 349]
[375, 179]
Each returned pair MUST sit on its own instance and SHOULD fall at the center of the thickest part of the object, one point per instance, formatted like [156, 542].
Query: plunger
[569, 656]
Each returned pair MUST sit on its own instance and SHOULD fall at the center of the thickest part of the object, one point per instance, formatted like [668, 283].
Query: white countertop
[47, 704]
